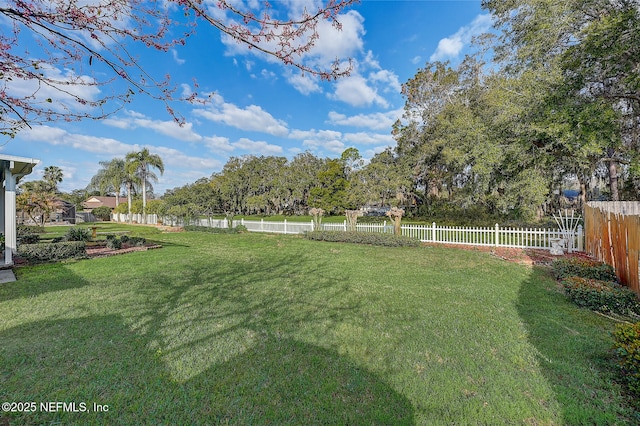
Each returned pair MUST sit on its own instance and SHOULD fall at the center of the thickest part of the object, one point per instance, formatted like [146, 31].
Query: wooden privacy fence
[612, 235]
[495, 236]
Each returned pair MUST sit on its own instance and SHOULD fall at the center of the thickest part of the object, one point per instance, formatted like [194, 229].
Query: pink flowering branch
[83, 52]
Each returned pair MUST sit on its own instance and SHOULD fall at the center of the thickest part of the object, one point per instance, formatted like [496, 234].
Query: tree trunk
[613, 180]
[129, 200]
[582, 197]
[144, 196]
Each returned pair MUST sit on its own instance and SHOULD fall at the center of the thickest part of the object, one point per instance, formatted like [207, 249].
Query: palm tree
[52, 177]
[116, 175]
[140, 164]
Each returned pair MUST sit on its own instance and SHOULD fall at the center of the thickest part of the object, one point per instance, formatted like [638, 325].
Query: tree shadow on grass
[52, 277]
[99, 360]
[573, 347]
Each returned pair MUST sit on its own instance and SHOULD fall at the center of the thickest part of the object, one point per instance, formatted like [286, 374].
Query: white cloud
[76, 176]
[257, 147]
[218, 143]
[375, 121]
[179, 61]
[336, 43]
[320, 140]
[332, 44]
[333, 146]
[304, 84]
[368, 138]
[315, 134]
[172, 158]
[268, 75]
[252, 118]
[450, 47]
[355, 91]
[59, 137]
[389, 78]
[71, 86]
[168, 128]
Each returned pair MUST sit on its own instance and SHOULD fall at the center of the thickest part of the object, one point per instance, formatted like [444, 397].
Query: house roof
[97, 201]
[19, 166]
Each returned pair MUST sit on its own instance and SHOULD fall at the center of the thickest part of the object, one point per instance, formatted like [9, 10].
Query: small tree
[352, 218]
[102, 213]
[396, 216]
[317, 214]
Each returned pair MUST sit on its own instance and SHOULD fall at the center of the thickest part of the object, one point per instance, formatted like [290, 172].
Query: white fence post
[433, 232]
[497, 235]
[345, 225]
[312, 226]
[285, 226]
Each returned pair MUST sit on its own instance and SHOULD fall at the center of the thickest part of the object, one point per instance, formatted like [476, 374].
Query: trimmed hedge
[78, 234]
[605, 296]
[28, 239]
[627, 349]
[46, 252]
[29, 229]
[115, 243]
[236, 230]
[371, 238]
[583, 267]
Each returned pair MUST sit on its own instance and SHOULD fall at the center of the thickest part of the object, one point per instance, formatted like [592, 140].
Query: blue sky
[261, 107]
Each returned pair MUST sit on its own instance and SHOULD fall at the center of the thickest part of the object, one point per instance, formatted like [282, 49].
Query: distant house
[64, 211]
[95, 202]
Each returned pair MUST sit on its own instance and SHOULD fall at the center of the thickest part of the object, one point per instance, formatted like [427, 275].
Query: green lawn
[267, 329]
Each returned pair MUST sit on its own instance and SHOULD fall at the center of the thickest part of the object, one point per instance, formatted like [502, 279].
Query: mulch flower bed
[517, 255]
[103, 251]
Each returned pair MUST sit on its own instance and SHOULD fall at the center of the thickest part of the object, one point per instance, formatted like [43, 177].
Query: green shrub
[28, 239]
[76, 233]
[211, 230]
[627, 348]
[29, 229]
[583, 267]
[123, 208]
[372, 238]
[133, 241]
[114, 243]
[606, 296]
[46, 252]
[102, 213]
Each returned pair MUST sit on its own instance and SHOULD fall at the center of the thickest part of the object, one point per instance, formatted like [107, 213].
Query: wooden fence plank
[613, 235]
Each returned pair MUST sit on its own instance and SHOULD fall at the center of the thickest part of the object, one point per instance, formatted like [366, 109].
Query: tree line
[550, 100]
[270, 185]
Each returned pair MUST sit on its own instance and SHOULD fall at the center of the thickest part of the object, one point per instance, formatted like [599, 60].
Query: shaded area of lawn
[81, 361]
[261, 328]
[574, 352]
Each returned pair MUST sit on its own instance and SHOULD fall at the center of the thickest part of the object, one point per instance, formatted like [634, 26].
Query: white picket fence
[495, 236]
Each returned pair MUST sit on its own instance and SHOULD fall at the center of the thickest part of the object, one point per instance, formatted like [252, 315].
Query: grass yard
[268, 329]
